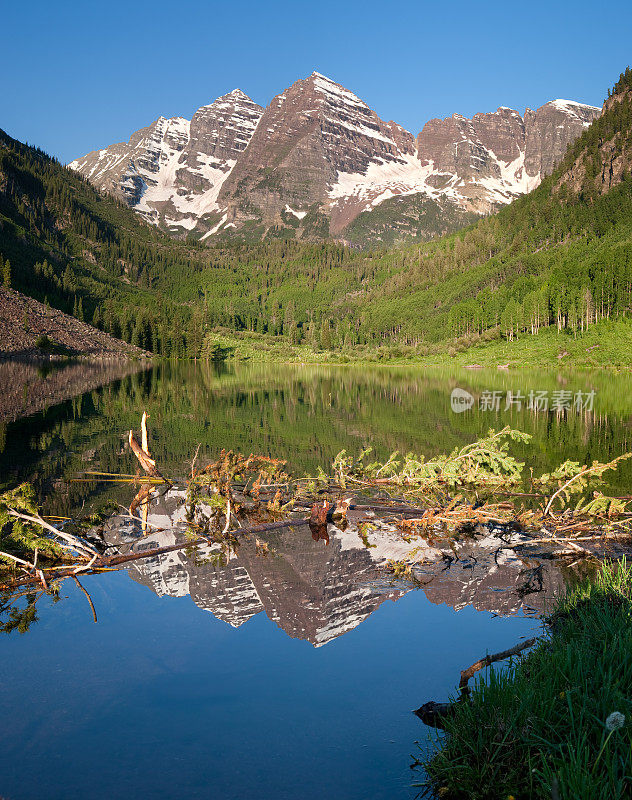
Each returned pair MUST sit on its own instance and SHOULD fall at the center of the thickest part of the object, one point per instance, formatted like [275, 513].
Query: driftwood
[491, 659]
[435, 714]
[144, 459]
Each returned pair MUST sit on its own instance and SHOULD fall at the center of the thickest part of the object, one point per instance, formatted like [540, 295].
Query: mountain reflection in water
[180, 704]
[318, 589]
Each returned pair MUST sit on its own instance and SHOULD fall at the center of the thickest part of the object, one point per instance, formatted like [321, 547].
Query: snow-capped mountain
[172, 171]
[318, 162]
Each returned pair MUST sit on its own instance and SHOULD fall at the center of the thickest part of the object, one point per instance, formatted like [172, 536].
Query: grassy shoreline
[558, 723]
[604, 346]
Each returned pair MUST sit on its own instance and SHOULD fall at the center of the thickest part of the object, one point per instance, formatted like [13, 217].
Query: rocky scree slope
[25, 320]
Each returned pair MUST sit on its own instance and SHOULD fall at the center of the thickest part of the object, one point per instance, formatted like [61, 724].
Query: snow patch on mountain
[385, 179]
[571, 107]
[297, 214]
[322, 146]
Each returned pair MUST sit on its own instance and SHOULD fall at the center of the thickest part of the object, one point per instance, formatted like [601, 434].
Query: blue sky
[80, 75]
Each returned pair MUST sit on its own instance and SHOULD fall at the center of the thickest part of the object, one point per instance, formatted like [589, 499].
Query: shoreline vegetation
[557, 723]
[607, 345]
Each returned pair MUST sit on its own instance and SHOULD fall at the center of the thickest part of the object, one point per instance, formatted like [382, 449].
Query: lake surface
[286, 675]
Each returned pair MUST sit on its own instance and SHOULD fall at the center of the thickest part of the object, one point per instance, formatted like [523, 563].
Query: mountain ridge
[317, 157]
[558, 257]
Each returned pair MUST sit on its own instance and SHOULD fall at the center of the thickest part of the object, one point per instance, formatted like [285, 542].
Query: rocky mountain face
[318, 162]
[172, 171]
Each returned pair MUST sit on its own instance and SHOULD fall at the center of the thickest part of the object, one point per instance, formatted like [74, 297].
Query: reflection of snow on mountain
[317, 591]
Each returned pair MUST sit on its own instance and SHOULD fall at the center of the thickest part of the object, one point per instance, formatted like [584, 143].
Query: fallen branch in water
[434, 714]
[144, 459]
[580, 474]
[83, 548]
[141, 451]
[85, 591]
[468, 673]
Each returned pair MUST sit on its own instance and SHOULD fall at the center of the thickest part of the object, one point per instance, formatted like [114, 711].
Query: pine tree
[325, 335]
[6, 274]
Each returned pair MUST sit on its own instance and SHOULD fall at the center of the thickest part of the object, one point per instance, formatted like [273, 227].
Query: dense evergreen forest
[559, 257]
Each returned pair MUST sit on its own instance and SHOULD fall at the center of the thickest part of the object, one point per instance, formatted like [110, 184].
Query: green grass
[538, 728]
[606, 345]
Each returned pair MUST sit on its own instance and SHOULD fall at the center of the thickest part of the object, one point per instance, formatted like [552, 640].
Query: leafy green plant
[20, 537]
[484, 462]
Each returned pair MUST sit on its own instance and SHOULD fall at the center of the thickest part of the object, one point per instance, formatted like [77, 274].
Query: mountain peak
[318, 146]
[566, 104]
[237, 95]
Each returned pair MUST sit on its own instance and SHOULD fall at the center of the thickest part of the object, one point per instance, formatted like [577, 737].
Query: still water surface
[289, 676]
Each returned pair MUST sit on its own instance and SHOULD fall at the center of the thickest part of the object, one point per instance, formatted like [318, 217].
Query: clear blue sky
[81, 75]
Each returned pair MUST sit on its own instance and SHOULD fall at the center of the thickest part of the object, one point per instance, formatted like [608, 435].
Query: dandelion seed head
[615, 721]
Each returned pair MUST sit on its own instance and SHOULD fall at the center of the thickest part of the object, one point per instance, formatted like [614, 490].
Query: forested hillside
[86, 254]
[560, 256]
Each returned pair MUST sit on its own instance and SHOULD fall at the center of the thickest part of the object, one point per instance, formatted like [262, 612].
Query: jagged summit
[318, 158]
[236, 95]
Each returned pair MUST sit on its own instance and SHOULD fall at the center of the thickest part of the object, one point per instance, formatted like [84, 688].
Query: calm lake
[286, 675]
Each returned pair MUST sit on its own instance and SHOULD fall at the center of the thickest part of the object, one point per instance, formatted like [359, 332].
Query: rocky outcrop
[172, 171]
[604, 162]
[318, 157]
[550, 130]
[499, 156]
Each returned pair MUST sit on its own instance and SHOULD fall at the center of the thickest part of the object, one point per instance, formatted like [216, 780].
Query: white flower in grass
[615, 721]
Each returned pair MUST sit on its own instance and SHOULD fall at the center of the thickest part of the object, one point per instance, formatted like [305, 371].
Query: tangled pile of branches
[479, 484]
